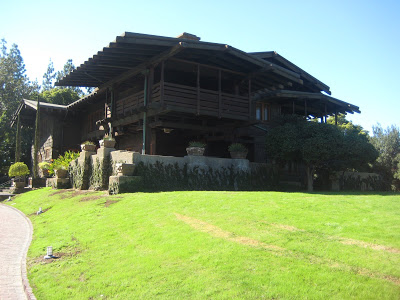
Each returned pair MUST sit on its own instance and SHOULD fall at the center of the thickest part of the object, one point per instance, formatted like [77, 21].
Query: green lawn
[218, 245]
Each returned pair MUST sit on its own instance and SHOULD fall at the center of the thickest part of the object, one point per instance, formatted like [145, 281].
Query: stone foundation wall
[166, 173]
[356, 181]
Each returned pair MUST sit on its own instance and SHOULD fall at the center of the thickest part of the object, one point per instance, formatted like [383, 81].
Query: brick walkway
[15, 237]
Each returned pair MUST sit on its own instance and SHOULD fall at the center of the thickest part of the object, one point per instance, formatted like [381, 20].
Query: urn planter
[107, 143]
[88, 147]
[19, 184]
[195, 151]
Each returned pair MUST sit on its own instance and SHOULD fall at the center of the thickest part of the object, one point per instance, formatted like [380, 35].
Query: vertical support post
[325, 112]
[162, 84]
[335, 116]
[198, 89]
[219, 93]
[112, 102]
[150, 86]
[146, 76]
[106, 105]
[293, 107]
[305, 108]
[250, 112]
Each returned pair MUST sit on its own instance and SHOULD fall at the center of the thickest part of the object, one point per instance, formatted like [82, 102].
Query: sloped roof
[132, 52]
[32, 105]
[278, 95]
[275, 57]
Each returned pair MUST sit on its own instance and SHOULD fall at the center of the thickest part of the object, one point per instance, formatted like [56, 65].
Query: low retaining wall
[356, 181]
[202, 162]
[166, 173]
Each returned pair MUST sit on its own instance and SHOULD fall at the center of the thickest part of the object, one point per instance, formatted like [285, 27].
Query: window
[262, 111]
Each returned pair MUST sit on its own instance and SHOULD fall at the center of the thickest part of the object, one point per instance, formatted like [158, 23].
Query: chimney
[188, 36]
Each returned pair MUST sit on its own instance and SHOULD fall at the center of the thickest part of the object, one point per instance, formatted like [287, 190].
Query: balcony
[187, 99]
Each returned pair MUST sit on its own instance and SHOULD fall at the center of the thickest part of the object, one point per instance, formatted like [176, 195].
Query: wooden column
[106, 105]
[305, 108]
[250, 112]
[219, 93]
[325, 112]
[293, 110]
[335, 116]
[112, 102]
[198, 89]
[150, 86]
[145, 91]
[162, 84]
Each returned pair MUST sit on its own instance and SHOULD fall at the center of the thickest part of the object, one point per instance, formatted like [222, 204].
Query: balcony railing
[188, 99]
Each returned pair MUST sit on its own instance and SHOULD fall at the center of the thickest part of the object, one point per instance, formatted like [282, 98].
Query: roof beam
[153, 61]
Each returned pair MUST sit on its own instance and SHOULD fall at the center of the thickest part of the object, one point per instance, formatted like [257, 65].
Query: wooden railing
[188, 99]
[205, 102]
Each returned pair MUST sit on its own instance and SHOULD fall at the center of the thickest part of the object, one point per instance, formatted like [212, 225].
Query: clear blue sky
[352, 46]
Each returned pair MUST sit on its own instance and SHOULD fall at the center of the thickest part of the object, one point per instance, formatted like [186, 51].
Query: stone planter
[124, 169]
[195, 151]
[61, 173]
[237, 154]
[107, 143]
[88, 147]
[19, 184]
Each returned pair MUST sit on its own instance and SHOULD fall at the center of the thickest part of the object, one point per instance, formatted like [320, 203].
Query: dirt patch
[286, 227]
[35, 213]
[40, 260]
[226, 235]
[283, 226]
[109, 202]
[75, 193]
[61, 192]
[347, 241]
[312, 259]
[69, 193]
[91, 198]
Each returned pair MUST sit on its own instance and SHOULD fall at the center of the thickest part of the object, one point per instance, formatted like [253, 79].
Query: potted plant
[238, 150]
[18, 170]
[44, 167]
[107, 142]
[61, 171]
[196, 148]
[88, 146]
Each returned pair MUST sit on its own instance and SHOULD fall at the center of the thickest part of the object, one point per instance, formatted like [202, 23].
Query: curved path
[15, 238]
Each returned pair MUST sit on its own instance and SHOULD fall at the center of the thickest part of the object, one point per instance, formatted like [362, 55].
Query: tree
[68, 68]
[387, 142]
[14, 86]
[18, 169]
[62, 96]
[49, 77]
[360, 153]
[317, 145]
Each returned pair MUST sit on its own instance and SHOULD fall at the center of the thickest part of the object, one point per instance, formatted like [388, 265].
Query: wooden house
[155, 94]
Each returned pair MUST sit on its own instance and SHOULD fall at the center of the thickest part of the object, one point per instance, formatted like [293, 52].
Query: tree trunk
[310, 175]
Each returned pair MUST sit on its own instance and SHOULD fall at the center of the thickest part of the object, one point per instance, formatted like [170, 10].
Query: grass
[219, 245]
